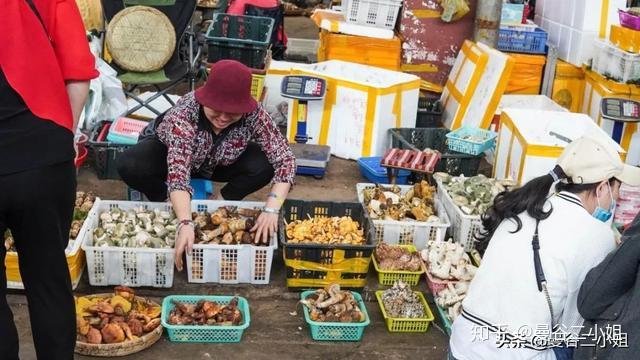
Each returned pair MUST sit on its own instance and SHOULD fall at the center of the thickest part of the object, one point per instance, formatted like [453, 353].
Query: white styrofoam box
[273, 82]
[533, 102]
[554, 30]
[334, 21]
[527, 147]
[588, 14]
[538, 20]
[477, 81]
[126, 266]
[361, 104]
[230, 264]
[540, 5]
[574, 46]
[614, 63]
[414, 233]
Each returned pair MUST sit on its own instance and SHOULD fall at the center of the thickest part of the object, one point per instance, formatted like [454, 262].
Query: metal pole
[487, 22]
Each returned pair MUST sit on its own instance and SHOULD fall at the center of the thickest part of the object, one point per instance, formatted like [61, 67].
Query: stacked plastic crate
[615, 72]
[362, 32]
[573, 25]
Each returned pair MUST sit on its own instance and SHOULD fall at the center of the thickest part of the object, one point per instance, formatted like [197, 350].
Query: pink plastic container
[629, 20]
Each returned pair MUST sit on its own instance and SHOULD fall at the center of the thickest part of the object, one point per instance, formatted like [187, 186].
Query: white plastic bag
[106, 98]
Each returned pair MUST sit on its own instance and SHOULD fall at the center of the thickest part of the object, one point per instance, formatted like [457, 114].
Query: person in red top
[45, 68]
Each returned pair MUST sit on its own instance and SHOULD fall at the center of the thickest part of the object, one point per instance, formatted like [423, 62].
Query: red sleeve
[70, 43]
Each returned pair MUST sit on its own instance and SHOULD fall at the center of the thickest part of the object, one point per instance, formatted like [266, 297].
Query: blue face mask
[602, 214]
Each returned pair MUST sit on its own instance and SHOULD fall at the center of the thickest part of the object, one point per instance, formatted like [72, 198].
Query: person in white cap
[540, 243]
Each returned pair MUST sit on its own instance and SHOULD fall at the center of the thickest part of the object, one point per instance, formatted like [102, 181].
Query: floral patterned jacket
[192, 149]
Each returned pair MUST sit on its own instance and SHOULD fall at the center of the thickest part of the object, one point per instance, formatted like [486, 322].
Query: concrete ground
[274, 329]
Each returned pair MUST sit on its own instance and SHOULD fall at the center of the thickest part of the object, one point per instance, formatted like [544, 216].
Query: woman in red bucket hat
[217, 132]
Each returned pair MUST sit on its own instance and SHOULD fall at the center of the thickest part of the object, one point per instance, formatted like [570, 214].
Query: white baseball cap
[587, 160]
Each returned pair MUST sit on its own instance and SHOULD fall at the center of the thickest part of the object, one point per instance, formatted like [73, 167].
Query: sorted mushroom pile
[227, 225]
[450, 298]
[473, 195]
[325, 230]
[447, 260]
[205, 312]
[401, 302]
[387, 203]
[115, 319]
[137, 228]
[84, 203]
[333, 305]
[396, 258]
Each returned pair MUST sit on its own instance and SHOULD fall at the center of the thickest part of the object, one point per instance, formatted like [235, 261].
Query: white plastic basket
[463, 226]
[612, 62]
[230, 264]
[414, 233]
[126, 266]
[376, 13]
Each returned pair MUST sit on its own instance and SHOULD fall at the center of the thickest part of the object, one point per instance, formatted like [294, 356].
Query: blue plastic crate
[531, 42]
[321, 331]
[371, 169]
[457, 142]
[203, 333]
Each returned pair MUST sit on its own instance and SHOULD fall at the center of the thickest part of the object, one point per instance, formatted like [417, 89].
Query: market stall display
[226, 251]
[75, 256]
[334, 314]
[404, 310]
[116, 324]
[397, 262]
[130, 243]
[316, 262]
[404, 214]
[205, 319]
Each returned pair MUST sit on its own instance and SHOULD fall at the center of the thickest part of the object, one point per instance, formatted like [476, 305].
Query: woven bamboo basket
[141, 39]
[91, 12]
[123, 348]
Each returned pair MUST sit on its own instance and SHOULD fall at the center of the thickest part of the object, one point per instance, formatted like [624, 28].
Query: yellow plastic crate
[526, 77]
[362, 50]
[257, 85]
[389, 277]
[625, 38]
[75, 263]
[406, 325]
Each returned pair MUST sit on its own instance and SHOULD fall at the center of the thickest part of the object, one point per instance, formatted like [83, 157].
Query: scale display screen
[303, 87]
[620, 110]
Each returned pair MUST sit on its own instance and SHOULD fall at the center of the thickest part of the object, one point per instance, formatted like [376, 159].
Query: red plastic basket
[126, 129]
[434, 284]
[82, 156]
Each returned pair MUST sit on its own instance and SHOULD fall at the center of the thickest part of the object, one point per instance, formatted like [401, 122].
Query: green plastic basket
[201, 333]
[445, 320]
[321, 331]
[388, 277]
[406, 325]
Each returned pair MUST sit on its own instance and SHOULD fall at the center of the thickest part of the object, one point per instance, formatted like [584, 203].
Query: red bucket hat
[228, 88]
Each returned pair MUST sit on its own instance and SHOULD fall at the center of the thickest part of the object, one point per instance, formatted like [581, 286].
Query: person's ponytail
[508, 204]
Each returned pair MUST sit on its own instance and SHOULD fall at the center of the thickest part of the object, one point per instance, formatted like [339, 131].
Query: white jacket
[504, 291]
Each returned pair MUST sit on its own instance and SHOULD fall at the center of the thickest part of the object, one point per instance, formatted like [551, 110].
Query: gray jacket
[610, 296]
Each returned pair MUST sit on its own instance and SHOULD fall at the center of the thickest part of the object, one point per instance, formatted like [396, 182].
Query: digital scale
[310, 159]
[620, 111]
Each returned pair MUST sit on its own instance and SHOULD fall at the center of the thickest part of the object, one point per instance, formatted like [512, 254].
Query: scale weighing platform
[310, 159]
[620, 111]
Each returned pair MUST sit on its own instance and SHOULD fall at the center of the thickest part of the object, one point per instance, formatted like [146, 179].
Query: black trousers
[37, 206]
[144, 168]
